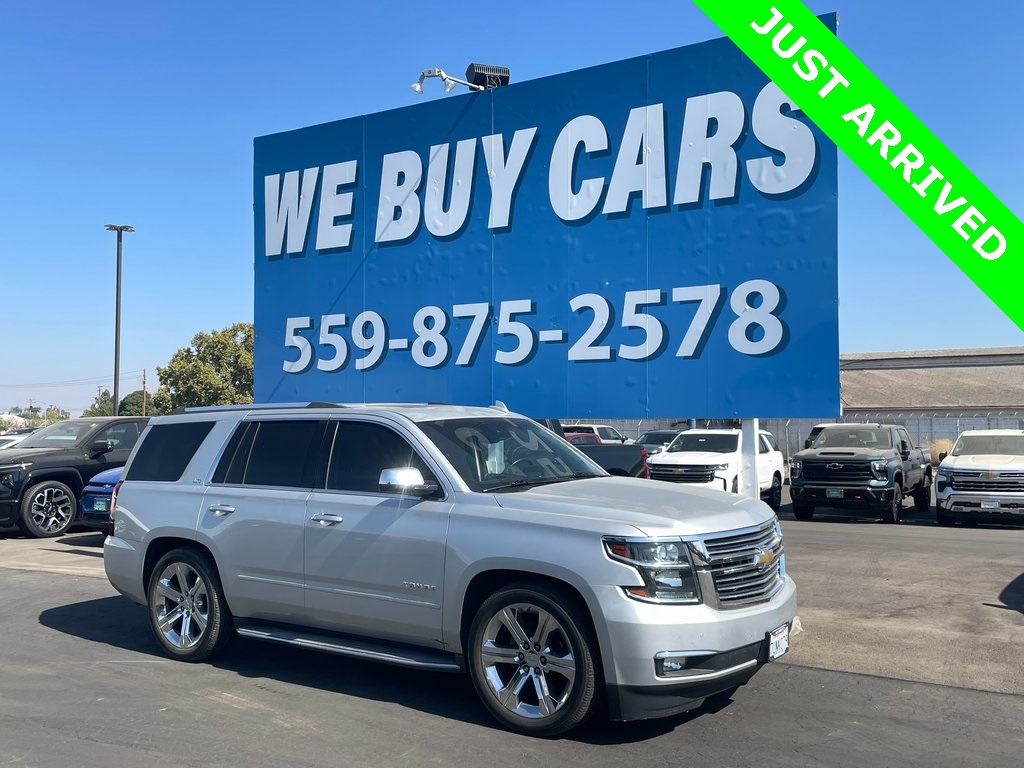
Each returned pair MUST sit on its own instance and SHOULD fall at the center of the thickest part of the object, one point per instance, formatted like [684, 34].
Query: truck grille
[993, 482]
[682, 474]
[837, 471]
[746, 567]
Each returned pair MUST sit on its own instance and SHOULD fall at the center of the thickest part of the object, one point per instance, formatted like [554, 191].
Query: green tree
[215, 370]
[131, 405]
[55, 413]
[102, 405]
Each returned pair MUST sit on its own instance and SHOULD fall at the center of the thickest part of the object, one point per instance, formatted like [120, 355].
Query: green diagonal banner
[880, 135]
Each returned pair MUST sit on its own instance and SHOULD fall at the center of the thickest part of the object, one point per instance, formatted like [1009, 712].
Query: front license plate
[778, 642]
[990, 505]
[100, 505]
[833, 493]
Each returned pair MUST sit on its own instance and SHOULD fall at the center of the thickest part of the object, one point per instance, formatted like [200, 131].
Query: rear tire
[533, 660]
[923, 499]
[187, 610]
[803, 511]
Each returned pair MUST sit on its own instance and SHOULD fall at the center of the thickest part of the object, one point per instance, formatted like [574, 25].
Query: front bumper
[860, 497]
[982, 505]
[730, 646]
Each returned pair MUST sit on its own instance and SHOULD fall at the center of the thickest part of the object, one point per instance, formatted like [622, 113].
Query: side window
[607, 433]
[167, 450]
[279, 453]
[362, 450]
[763, 446]
[123, 436]
[770, 440]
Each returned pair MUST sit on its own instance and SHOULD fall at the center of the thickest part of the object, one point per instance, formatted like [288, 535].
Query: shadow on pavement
[120, 623]
[1012, 595]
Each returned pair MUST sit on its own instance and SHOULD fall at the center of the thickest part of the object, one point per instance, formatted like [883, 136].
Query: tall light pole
[119, 228]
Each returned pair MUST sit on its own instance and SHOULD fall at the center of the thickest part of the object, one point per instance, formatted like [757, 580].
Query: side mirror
[406, 480]
[624, 440]
[942, 455]
[98, 447]
[807, 443]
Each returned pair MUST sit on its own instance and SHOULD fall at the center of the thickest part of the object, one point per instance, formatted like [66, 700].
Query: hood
[981, 461]
[107, 477]
[16, 454]
[843, 453]
[651, 507]
[692, 457]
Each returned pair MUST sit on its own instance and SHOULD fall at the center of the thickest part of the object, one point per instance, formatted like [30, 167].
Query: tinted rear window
[278, 453]
[167, 450]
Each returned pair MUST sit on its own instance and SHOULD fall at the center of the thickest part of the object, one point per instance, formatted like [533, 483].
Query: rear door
[375, 561]
[254, 512]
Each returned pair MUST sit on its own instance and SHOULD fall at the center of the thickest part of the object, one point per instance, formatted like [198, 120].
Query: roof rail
[253, 407]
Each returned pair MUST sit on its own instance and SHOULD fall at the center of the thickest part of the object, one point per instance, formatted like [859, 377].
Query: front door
[375, 561]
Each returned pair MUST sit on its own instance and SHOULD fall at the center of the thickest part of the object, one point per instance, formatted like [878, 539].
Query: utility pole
[120, 229]
[143, 391]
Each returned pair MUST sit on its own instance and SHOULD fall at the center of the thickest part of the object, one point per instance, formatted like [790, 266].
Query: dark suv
[41, 479]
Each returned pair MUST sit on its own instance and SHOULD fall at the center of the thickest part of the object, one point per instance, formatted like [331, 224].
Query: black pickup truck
[626, 460]
[860, 467]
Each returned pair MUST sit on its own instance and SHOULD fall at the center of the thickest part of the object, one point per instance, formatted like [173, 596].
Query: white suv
[710, 458]
[605, 434]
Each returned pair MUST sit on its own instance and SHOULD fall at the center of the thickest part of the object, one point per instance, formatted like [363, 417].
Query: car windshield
[59, 435]
[992, 445]
[689, 442]
[853, 437]
[657, 438]
[507, 454]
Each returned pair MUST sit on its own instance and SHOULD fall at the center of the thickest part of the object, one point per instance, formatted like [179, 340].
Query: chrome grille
[685, 473]
[733, 563]
[837, 470]
[1012, 482]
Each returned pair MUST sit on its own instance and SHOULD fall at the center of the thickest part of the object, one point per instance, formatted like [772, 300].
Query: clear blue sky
[144, 114]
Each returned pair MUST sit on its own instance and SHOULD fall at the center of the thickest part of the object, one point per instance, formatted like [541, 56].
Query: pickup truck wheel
[532, 661]
[803, 511]
[187, 610]
[891, 513]
[922, 499]
[774, 499]
[47, 509]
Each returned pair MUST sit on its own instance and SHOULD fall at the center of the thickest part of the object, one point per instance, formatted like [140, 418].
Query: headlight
[795, 467]
[664, 566]
[878, 468]
[945, 473]
[719, 467]
[9, 473]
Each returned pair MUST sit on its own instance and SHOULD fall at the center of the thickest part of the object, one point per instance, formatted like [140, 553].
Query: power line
[73, 382]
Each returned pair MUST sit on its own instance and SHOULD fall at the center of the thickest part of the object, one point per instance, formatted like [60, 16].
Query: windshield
[657, 438]
[492, 454]
[992, 445]
[690, 442]
[853, 437]
[59, 435]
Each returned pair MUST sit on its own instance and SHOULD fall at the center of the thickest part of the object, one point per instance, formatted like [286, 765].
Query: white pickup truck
[982, 477]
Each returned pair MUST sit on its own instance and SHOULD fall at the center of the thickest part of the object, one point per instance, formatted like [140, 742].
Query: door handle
[327, 518]
[221, 509]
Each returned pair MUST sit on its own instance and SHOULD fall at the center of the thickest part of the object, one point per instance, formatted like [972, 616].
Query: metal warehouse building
[935, 394]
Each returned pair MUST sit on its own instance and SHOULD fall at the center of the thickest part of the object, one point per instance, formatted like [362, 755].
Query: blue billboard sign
[655, 237]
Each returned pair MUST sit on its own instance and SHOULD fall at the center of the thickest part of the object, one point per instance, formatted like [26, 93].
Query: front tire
[47, 509]
[774, 499]
[943, 518]
[891, 513]
[803, 511]
[532, 659]
[187, 610]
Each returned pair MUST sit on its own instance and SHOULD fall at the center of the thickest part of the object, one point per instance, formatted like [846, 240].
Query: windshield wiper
[523, 483]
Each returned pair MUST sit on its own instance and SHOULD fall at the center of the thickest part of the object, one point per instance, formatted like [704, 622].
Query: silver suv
[449, 538]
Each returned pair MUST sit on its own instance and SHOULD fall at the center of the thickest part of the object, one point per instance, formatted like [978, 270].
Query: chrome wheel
[527, 661]
[181, 606]
[49, 509]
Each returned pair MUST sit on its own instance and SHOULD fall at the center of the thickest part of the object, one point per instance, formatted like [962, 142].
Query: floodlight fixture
[487, 76]
[449, 81]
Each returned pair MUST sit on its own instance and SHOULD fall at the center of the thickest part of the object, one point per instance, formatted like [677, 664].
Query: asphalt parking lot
[909, 655]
